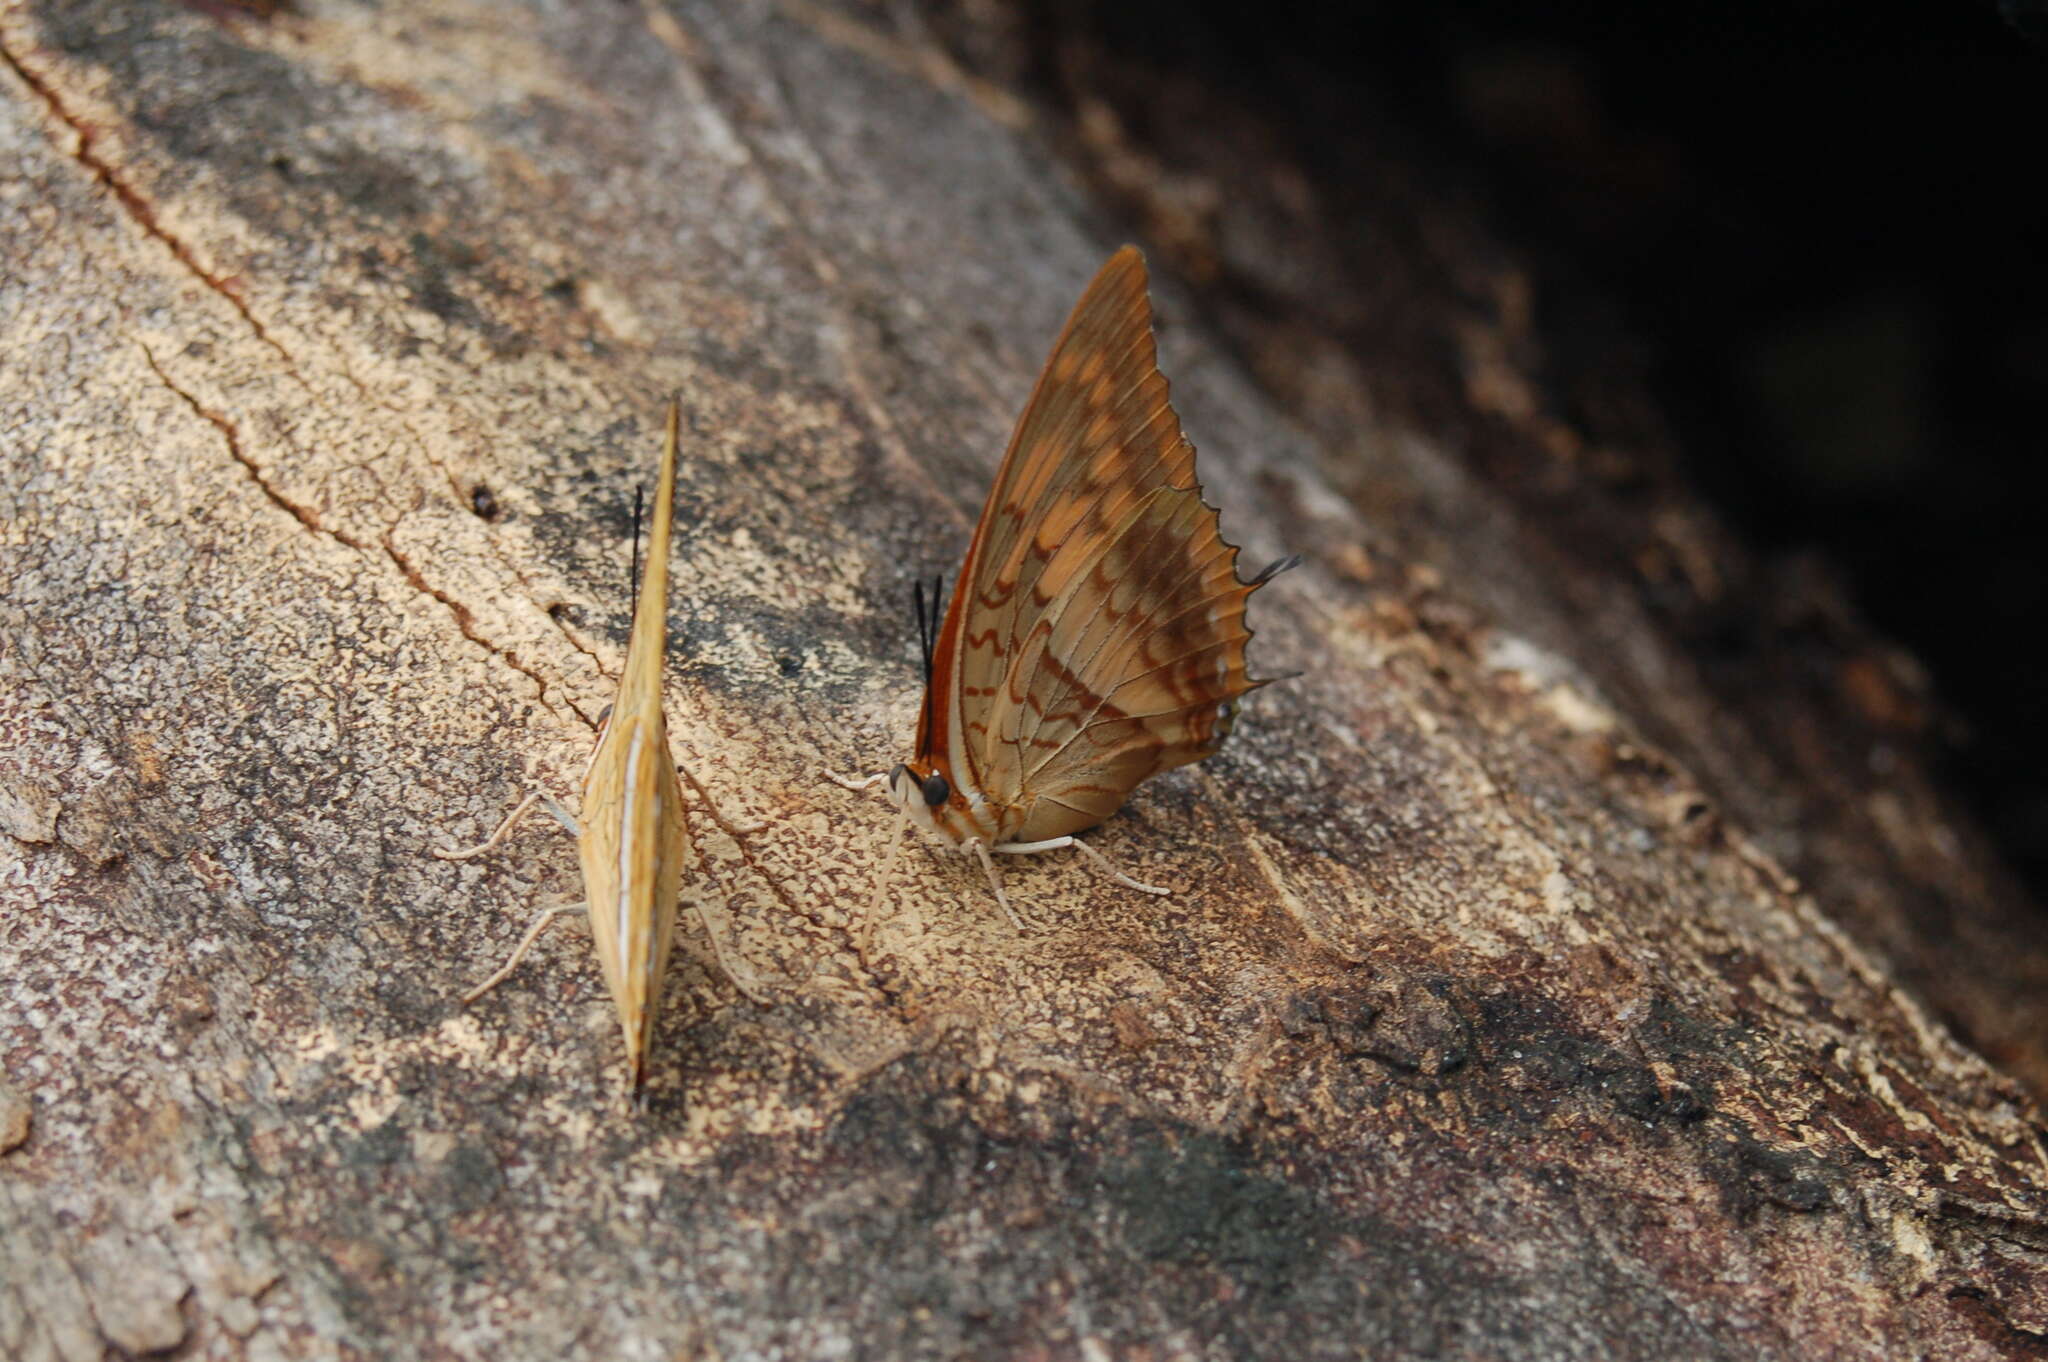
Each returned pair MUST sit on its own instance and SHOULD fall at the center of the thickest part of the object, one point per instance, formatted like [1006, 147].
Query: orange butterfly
[1096, 635]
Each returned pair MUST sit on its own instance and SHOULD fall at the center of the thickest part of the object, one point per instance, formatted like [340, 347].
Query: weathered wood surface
[334, 344]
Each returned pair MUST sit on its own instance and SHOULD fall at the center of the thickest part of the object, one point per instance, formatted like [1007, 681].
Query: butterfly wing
[633, 847]
[1096, 635]
[1138, 669]
[633, 835]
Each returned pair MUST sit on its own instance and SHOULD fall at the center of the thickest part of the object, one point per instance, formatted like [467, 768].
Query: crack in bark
[143, 214]
[2013, 1225]
[230, 436]
[537, 596]
[465, 621]
[426, 450]
[574, 642]
[139, 209]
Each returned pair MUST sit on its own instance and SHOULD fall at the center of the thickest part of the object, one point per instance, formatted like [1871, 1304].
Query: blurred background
[1815, 233]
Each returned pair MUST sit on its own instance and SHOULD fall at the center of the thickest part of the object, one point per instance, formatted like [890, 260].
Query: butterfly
[633, 834]
[1095, 635]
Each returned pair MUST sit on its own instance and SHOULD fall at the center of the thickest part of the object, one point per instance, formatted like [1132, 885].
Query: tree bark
[1488, 1020]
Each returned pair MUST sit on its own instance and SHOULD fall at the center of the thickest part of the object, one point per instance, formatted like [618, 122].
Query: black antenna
[633, 587]
[927, 640]
[924, 628]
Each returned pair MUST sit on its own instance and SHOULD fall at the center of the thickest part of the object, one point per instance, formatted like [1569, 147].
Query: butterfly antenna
[924, 638]
[927, 639]
[633, 586]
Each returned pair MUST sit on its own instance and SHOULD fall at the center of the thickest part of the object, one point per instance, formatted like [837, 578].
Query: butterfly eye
[936, 789]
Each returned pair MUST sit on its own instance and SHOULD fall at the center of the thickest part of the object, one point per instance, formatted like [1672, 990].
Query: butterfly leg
[1102, 862]
[540, 922]
[855, 783]
[725, 825]
[746, 981]
[536, 796]
[994, 881]
[863, 928]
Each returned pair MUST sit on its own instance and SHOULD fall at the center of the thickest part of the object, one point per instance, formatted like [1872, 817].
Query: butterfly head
[935, 803]
[925, 794]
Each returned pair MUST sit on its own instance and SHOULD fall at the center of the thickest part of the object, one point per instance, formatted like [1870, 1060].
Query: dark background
[1821, 228]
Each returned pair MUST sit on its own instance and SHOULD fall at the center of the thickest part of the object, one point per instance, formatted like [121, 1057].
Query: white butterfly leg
[546, 915]
[1102, 862]
[747, 982]
[994, 881]
[855, 783]
[864, 929]
[540, 922]
[535, 796]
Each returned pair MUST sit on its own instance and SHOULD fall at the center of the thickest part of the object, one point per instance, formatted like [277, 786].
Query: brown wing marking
[1135, 580]
[1096, 438]
[1102, 586]
[1151, 684]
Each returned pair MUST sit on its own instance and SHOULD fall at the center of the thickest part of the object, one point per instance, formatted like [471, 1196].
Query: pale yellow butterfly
[633, 834]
